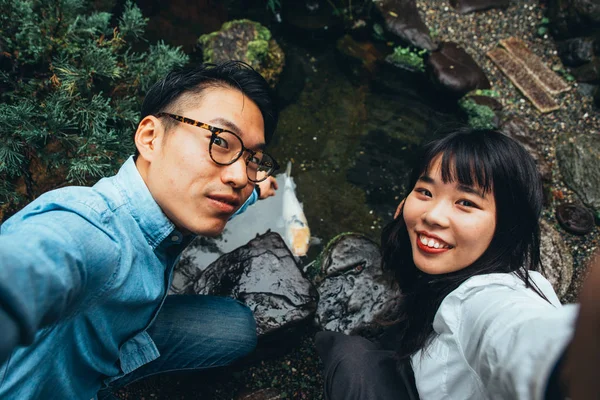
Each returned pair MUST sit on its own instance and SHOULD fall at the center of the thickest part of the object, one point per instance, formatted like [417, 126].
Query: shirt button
[174, 238]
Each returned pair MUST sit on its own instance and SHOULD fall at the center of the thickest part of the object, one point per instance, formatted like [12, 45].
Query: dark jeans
[356, 369]
[194, 332]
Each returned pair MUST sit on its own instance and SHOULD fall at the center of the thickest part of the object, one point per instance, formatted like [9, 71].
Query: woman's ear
[148, 137]
[399, 208]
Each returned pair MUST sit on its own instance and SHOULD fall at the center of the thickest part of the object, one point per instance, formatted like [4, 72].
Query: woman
[476, 321]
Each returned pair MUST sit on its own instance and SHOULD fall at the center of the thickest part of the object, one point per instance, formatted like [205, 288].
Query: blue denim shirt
[83, 273]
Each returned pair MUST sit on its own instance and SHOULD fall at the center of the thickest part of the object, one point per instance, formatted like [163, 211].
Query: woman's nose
[438, 214]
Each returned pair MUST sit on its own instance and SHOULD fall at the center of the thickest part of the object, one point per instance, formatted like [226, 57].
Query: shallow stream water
[352, 145]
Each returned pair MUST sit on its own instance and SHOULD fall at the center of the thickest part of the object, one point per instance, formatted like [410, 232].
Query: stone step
[523, 79]
[553, 83]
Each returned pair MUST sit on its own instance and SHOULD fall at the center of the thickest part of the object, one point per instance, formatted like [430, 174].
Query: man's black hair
[234, 74]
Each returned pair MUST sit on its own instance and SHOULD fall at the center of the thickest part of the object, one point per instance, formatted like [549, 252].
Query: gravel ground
[480, 32]
[297, 373]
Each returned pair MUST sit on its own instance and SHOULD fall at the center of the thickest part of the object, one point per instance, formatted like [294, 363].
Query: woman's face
[450, 225]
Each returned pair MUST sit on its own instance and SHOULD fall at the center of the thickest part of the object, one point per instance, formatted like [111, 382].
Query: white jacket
[496, 339]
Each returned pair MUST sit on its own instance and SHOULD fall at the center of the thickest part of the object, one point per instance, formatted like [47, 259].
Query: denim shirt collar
[154, 224]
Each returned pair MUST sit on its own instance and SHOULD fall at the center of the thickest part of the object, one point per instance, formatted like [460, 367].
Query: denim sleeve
[49, 264]
[251, 200]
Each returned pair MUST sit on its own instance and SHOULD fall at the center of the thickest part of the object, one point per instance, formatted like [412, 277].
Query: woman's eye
[218, 141]
[466, 203]
[423, 191]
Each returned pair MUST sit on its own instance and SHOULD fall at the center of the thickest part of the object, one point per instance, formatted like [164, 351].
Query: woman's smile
[431, 245]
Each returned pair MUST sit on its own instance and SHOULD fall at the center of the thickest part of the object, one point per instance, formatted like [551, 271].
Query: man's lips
[224, 203]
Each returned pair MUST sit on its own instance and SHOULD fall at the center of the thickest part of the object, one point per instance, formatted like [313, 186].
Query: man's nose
[438, 214]
[235, 174]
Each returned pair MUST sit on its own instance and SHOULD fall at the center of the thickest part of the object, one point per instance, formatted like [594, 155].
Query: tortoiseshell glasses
[226, 147]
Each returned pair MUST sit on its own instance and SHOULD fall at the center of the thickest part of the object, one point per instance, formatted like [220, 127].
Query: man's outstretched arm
[48, 263]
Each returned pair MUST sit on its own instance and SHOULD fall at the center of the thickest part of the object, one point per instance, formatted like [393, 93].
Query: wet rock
[264, 275]
[360, 60]
[573, 18]
[467, 6]
[575, 219]
[579, 162]
[518, 130]
[557, 261]
[452, 69]
[578, 51]
[487, 101]
[401, 18]
[247, 41]
[291, 81]
[180, 21]
[395, 78]
[597, 97]
[310, 23]
[355, 291]
[262, 394]
[588, 73]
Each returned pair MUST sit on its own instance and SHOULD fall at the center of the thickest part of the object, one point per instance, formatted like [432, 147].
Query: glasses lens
[225, 148]
[260, 167]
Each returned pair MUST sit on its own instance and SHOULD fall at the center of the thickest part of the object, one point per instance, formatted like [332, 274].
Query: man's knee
[241, 329]
[216, 330]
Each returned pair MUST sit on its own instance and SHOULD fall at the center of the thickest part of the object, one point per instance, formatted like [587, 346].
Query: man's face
[196, 194]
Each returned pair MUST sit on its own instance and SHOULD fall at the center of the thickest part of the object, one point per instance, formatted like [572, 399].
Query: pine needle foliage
[71, 84]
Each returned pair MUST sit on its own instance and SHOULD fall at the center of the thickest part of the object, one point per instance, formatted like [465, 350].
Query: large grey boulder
[264, 275]
[557, 261]
[355, 293]
[579, 161]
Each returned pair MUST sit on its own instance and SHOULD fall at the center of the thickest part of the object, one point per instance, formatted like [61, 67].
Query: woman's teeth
[432, 243]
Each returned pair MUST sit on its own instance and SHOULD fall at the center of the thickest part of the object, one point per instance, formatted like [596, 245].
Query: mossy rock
[246, 41]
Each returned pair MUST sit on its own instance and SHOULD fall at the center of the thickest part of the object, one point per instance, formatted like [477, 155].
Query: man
[84, 272]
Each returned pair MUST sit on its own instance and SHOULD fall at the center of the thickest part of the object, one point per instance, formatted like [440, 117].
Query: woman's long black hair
[498, 165]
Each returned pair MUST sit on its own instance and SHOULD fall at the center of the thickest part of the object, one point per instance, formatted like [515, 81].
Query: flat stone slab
[523, 80]
[551, 82]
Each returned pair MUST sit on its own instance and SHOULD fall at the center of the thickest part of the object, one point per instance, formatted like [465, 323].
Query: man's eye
[254, 160]
[219, 141]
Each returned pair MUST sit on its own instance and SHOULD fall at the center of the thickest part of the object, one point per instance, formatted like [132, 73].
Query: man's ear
[148, 137]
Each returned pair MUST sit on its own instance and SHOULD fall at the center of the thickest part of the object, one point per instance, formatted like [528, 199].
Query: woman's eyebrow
[461, 187]
[470, 189]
